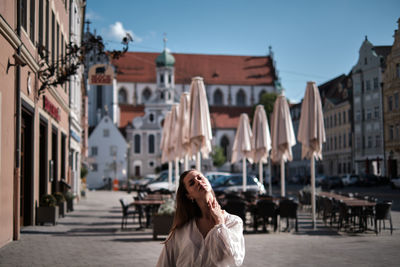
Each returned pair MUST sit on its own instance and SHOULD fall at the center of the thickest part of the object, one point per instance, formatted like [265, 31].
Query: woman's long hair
[186, 209]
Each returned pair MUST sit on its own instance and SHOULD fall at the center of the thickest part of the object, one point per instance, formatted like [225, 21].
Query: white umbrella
[261, 141]
[166, 155]
[200, 124]
[242, 145]
[282, 136]
[183, 145]
[311, 133]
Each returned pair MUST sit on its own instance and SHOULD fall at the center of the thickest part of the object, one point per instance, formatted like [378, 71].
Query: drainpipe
[17, 169]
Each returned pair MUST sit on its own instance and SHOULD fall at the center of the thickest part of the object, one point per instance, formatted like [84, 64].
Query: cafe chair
[237, 207]
[126, 212]
[382, 213]
[266, 210]
[288, 210]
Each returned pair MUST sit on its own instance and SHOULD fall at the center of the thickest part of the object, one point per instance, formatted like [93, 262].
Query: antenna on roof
[165, 40]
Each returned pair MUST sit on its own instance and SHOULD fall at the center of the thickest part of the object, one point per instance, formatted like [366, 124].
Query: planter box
[62, 209]
[162, 224]
[70, 205]
[47, 215]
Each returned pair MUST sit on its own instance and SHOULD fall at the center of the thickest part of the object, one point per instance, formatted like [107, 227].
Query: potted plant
[62, 204]
[69, 197]
[162, 220]
[48, 211]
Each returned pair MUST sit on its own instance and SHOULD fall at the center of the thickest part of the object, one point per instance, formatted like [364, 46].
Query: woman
[202, 233]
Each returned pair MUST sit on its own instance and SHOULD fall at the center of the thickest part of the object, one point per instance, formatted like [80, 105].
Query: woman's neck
[203, 205]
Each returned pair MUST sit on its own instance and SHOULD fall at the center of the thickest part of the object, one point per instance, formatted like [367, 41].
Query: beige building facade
[34, 126]
[391, 92]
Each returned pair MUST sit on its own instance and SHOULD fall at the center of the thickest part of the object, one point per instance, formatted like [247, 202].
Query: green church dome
[165, 59]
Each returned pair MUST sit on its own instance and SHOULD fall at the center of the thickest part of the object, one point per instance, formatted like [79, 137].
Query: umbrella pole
[282, 178]
[186, 162]
[270, 177]
[260, 171]
[169, 175]
[176, 173]
[244, 174]
[198, 161]
[313, 191]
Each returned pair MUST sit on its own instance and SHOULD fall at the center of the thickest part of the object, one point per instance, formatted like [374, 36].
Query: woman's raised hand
[216, 212]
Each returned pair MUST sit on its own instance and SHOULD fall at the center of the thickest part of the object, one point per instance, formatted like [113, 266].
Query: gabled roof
[215, 69]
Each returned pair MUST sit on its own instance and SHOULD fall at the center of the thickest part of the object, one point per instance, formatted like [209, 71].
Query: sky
[311, 40]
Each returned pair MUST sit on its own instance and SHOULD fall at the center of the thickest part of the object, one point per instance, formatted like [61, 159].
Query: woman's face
[196, 185]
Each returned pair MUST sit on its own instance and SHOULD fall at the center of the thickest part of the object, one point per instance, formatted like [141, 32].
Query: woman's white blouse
[223, 245]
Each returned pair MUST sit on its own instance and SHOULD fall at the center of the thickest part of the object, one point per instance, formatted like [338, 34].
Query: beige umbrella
[282, 136]
[311, 133]
[261, 141]
[183, 145]
[242, 145]
[173, 142]
[164, 146]
[200, 124]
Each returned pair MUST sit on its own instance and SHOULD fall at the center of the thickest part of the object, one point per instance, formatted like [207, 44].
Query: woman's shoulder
[232, 219]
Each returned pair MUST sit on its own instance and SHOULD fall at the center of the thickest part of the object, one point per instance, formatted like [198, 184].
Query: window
[169, 78]
[218, 97]
[377, 141]
[137, 143]
[151, 117]
[376, 112]
[94, 167]
[94, 151]
[340, 141]
[344, 141]
[32, 21]
[397, 131]
[40, 37]
[358, 142]
[339, 167]
[368, 85]
[340, 118]
[260, 95]
[122, 98]
[161, 78]
[396, 100]
[398, 70]
[146, 95]
[369, 114]
[47, 31]
[225, 145]
[391, 132]
[335, 143]
[390, 103]
[99, 97]
[151, 164]
[376, 83]
[365, 61]
[106, 132]
[350, 144]
[335, 121]
[369, 141]
[240, 98]
[24, 13]
[349, 115]
[358, 115]
[344, 117]
[151, 144]
[113, 150]
[53, 37]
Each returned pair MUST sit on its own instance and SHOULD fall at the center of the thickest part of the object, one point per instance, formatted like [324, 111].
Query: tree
[218, 156]
[267, 100]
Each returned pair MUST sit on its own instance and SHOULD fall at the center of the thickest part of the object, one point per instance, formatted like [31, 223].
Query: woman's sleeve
[167, 256]
[226, 243]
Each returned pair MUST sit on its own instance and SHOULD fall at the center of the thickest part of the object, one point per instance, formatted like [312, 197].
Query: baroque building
[368, 109]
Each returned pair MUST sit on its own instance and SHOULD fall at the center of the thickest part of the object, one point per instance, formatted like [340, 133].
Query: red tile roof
[227, 118]
[128, 113]
[215, 69]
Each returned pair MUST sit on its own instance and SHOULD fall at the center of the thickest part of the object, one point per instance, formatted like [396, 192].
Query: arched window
[225, 145]
[240, 98]
[151, 144]
[137, 143]
[146, 95]
[122, 96]
[260, 95]
[218, 97]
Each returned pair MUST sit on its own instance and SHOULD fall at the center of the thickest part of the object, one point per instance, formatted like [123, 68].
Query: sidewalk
[91, 236]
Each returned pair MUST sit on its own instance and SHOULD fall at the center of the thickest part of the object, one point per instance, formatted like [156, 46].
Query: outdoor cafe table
[149, 205]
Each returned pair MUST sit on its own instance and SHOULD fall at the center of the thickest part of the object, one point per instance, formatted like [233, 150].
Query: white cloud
[92, 16]
[117, 32]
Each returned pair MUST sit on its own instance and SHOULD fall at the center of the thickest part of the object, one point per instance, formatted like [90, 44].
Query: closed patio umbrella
[242, 145]
[173, 141]
[282, 136]
[200, 125]
[261, 141]
[311, 133]
[164, 146]
[183, 145]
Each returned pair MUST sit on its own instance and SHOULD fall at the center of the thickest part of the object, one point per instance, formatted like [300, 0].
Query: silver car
[234, 183]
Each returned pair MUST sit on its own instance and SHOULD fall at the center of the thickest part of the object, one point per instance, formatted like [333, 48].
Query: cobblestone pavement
[91, 236]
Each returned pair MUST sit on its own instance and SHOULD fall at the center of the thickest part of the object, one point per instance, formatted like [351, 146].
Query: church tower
[165, 76]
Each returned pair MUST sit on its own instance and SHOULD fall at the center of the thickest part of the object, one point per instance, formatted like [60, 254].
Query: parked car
[234, 183]
[350, 179]
[212, 176]
[319, 179]
[140, 184]
[331, 182]
[395, 183]
[368, 180]
[161, 183]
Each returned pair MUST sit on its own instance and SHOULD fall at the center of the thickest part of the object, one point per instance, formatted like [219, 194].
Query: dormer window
[365, 61]
[170, 79]
[161, 78]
